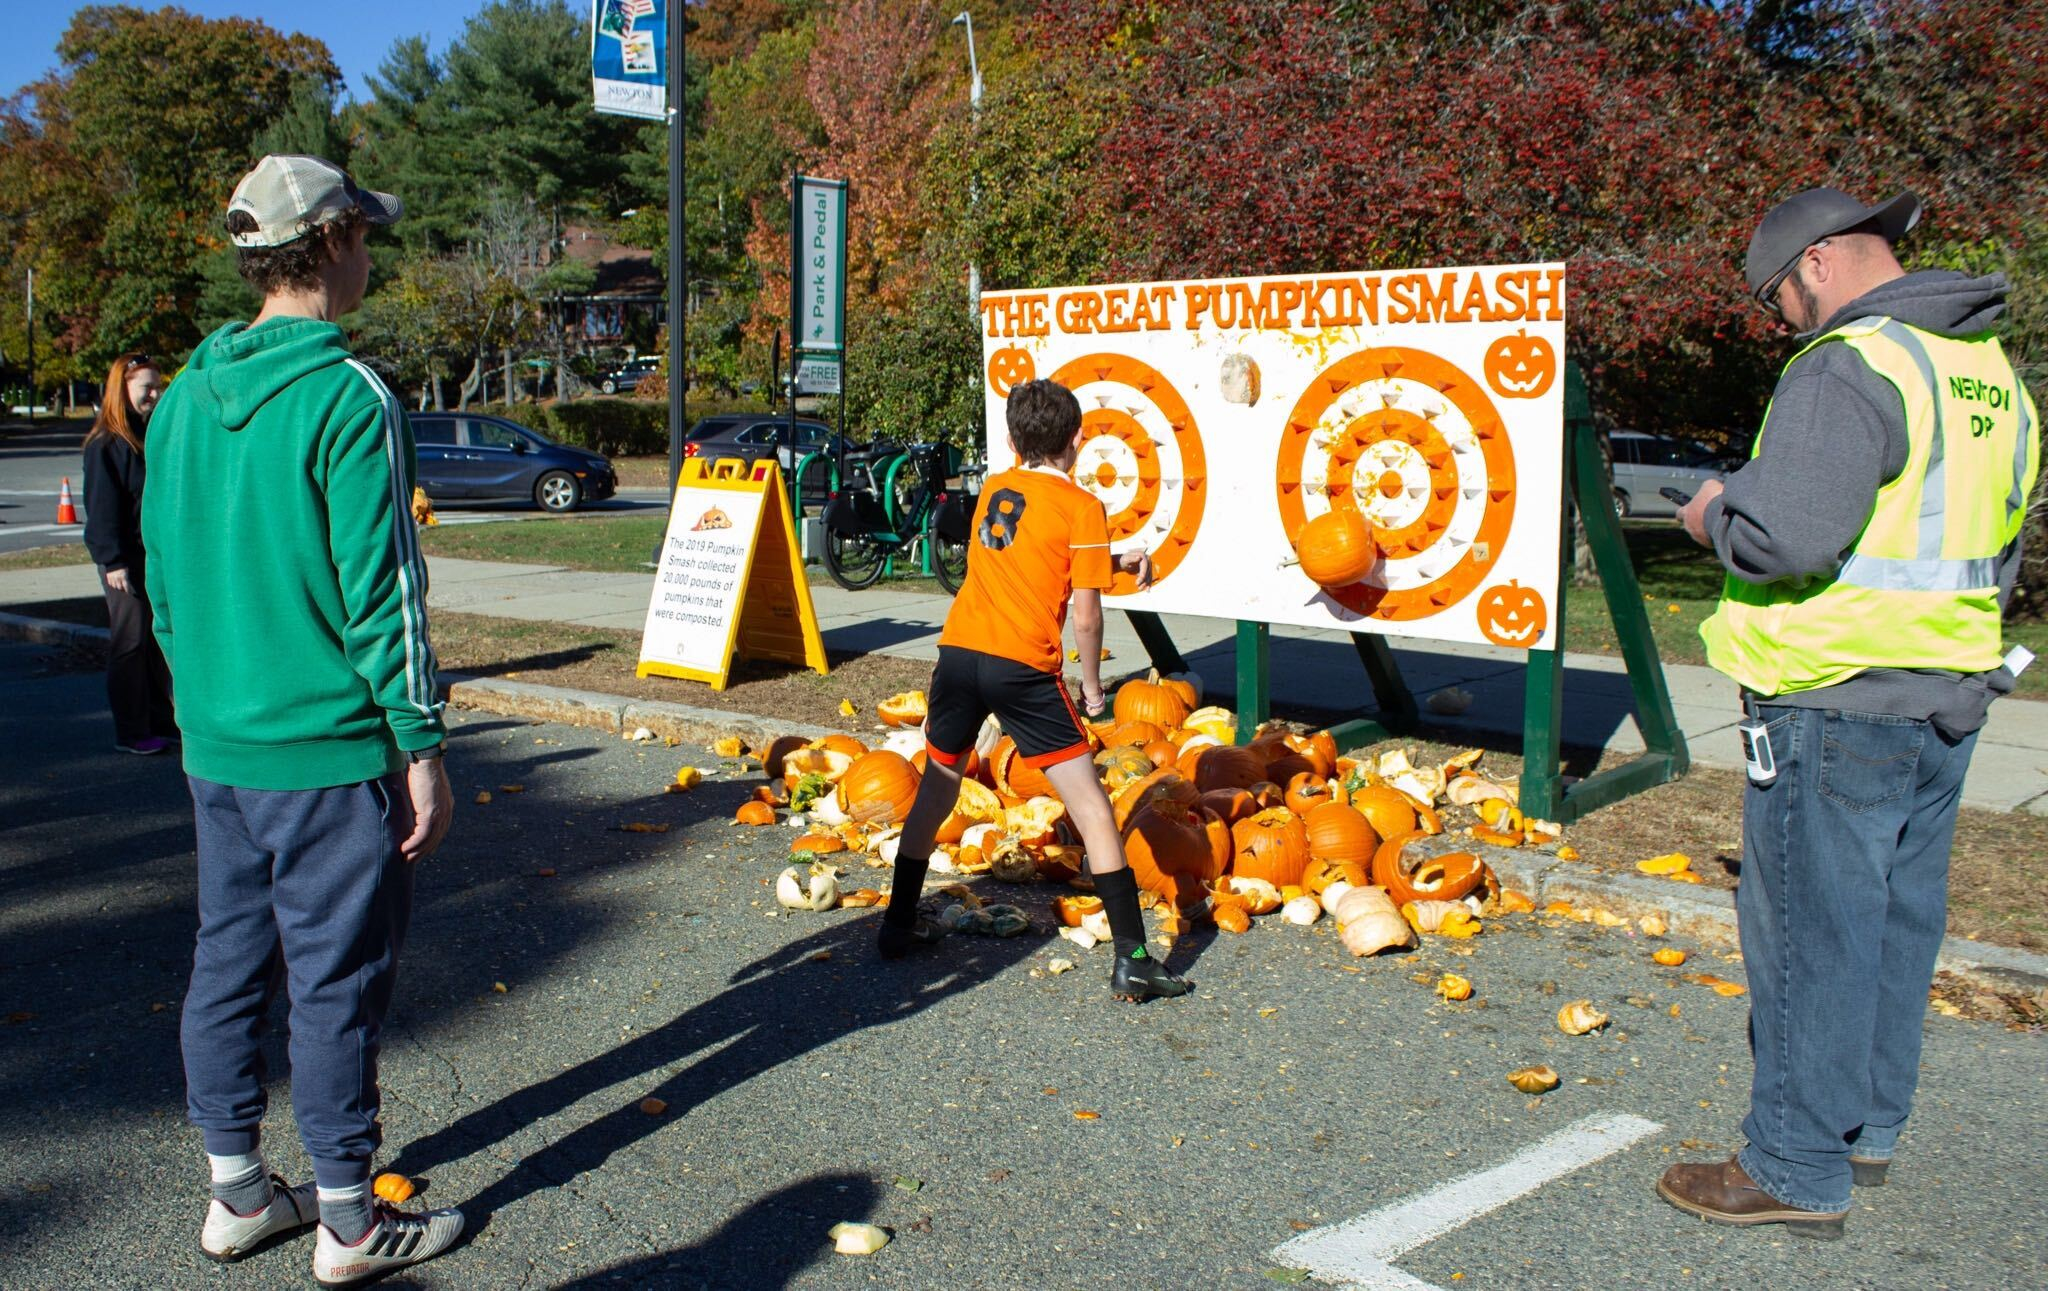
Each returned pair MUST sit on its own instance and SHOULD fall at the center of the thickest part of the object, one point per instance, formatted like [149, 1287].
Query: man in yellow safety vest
[1871, 543]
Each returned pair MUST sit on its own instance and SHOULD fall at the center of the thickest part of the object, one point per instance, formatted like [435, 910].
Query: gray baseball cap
[1804, 219]
[289, 195]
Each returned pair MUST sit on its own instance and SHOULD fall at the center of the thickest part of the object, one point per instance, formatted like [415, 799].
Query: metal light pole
[678, 271]
[966, 20]
[31, 344]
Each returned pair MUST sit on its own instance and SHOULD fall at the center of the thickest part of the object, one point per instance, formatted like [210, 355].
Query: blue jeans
[305, 889]
[1842, 906]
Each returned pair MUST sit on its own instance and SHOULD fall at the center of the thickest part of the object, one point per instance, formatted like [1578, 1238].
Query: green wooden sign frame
[1544, 793]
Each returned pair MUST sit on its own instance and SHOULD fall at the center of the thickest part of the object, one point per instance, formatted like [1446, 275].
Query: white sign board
[705, 558]
[817, 374]
[1219, 416]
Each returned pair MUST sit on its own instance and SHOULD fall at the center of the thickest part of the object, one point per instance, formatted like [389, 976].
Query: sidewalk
[2009, 771]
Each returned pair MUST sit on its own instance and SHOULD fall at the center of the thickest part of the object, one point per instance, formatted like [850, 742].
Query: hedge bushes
[614, 427]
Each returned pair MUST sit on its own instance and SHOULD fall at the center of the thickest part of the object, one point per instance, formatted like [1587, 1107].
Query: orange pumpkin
[1138, 733]
[1322, 871]
[977, 804]
[1268, 795]
[1339, 832]
[1336, 548]
[1520, 366]
[1222, 766]
[755, 812]
[818, 843]
[879, 786]
[906, 709]
[1231, 804]
[393, 1188]
[1389, 811]
[1009, 368]
[1122, 766]
[1162, 753]
[1282, 760]
[1188, 685]
[846, 744]
[1071, 909]
[1163, 704]
[773, 795]
[1174, 847]
[1305, 792]
[1233, 919]
[1014, 776]
[1432, 878]
[1512, 615]
[778, 749]
[1272, 845]
[1320, 748]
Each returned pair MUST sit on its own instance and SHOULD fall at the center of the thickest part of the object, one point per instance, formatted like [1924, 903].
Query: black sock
[905, 889]
[1119, 892]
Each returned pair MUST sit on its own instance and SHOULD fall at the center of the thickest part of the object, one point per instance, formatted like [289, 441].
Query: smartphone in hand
[1677, 498]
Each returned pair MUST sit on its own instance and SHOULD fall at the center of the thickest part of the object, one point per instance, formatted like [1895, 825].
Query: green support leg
[1254, 703]
[1665, 756]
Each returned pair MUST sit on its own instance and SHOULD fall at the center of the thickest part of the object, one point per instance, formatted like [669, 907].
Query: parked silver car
[1644, 464]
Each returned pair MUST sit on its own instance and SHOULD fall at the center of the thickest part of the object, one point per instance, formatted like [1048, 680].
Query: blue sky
[358, 32]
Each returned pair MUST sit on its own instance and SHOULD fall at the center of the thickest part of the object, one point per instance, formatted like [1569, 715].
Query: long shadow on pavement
[753, 1250]
[776, 1009]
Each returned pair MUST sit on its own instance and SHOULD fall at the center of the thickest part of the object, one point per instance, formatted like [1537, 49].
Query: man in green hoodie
[291, 605]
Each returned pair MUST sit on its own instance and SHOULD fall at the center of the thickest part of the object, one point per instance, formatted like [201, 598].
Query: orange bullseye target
[1141, 454]
[1416, 446]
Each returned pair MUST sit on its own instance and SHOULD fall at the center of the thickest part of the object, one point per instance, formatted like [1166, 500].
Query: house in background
[623, 309]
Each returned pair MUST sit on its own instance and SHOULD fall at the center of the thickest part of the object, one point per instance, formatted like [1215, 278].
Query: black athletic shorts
[1033, 707]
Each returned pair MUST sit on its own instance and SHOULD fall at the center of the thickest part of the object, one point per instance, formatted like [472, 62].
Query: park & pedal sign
[1230, 425]
[731, 583]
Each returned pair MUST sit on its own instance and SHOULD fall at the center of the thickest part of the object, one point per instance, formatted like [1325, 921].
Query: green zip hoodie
[284, 569]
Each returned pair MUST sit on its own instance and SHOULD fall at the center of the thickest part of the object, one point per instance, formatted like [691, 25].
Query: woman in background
[138, 682]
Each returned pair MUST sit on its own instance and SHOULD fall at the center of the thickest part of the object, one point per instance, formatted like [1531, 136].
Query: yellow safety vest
[1920, 587]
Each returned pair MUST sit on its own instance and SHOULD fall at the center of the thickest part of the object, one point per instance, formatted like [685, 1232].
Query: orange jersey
[1037, 537]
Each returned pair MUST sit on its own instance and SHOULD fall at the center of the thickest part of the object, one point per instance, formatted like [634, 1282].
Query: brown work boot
[1723, 1192]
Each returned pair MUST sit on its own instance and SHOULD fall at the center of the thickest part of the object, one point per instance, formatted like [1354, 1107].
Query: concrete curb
[1705, 915]
[615, 713]
[20, 627]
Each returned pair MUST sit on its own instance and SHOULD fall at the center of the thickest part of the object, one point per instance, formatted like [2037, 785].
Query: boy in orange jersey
[1038, 536]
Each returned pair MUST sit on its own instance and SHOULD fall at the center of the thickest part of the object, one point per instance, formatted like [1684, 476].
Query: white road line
[17, 529]
[1359, 1252]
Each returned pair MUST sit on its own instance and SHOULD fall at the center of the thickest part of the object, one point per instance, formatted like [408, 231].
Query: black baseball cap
[1804, 219]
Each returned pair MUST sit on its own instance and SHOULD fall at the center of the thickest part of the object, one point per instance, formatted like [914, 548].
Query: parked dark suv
[464, 456]
[627, 375]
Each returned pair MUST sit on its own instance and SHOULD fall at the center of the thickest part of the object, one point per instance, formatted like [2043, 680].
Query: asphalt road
[35, 459]
[807, 1083]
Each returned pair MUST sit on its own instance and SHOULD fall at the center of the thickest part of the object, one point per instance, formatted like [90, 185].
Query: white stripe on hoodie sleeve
[420, 684]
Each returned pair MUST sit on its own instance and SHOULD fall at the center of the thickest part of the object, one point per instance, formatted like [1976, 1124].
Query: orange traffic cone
[66, 512]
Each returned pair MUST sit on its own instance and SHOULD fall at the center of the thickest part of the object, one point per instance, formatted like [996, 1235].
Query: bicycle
[904, 502]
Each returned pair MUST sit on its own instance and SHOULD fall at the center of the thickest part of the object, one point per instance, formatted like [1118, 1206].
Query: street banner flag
[629, 57]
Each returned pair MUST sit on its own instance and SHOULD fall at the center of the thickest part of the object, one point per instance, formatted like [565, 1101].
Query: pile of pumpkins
[1212, 829]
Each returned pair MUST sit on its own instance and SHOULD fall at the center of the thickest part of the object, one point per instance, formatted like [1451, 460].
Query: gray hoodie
[1835, 435]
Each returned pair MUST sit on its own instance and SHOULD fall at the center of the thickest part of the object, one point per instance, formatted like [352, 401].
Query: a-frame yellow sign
[731, 582]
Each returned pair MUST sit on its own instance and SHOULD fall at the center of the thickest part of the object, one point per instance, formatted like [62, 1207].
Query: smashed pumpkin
[1174, 846]
[1424, 878]
[879, 786]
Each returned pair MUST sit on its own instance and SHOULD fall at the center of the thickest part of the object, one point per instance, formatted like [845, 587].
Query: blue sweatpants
[304, 889]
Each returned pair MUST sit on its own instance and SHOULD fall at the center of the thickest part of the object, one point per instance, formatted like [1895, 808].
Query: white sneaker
[228, 1237]
[396, 1239]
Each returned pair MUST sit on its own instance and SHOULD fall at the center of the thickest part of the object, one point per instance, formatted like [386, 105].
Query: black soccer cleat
[895, 942]
[1137, 976]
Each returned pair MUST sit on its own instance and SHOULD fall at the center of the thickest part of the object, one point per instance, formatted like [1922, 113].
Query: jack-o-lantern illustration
[1520, 366]
[1512, 615]
[1009, 368]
